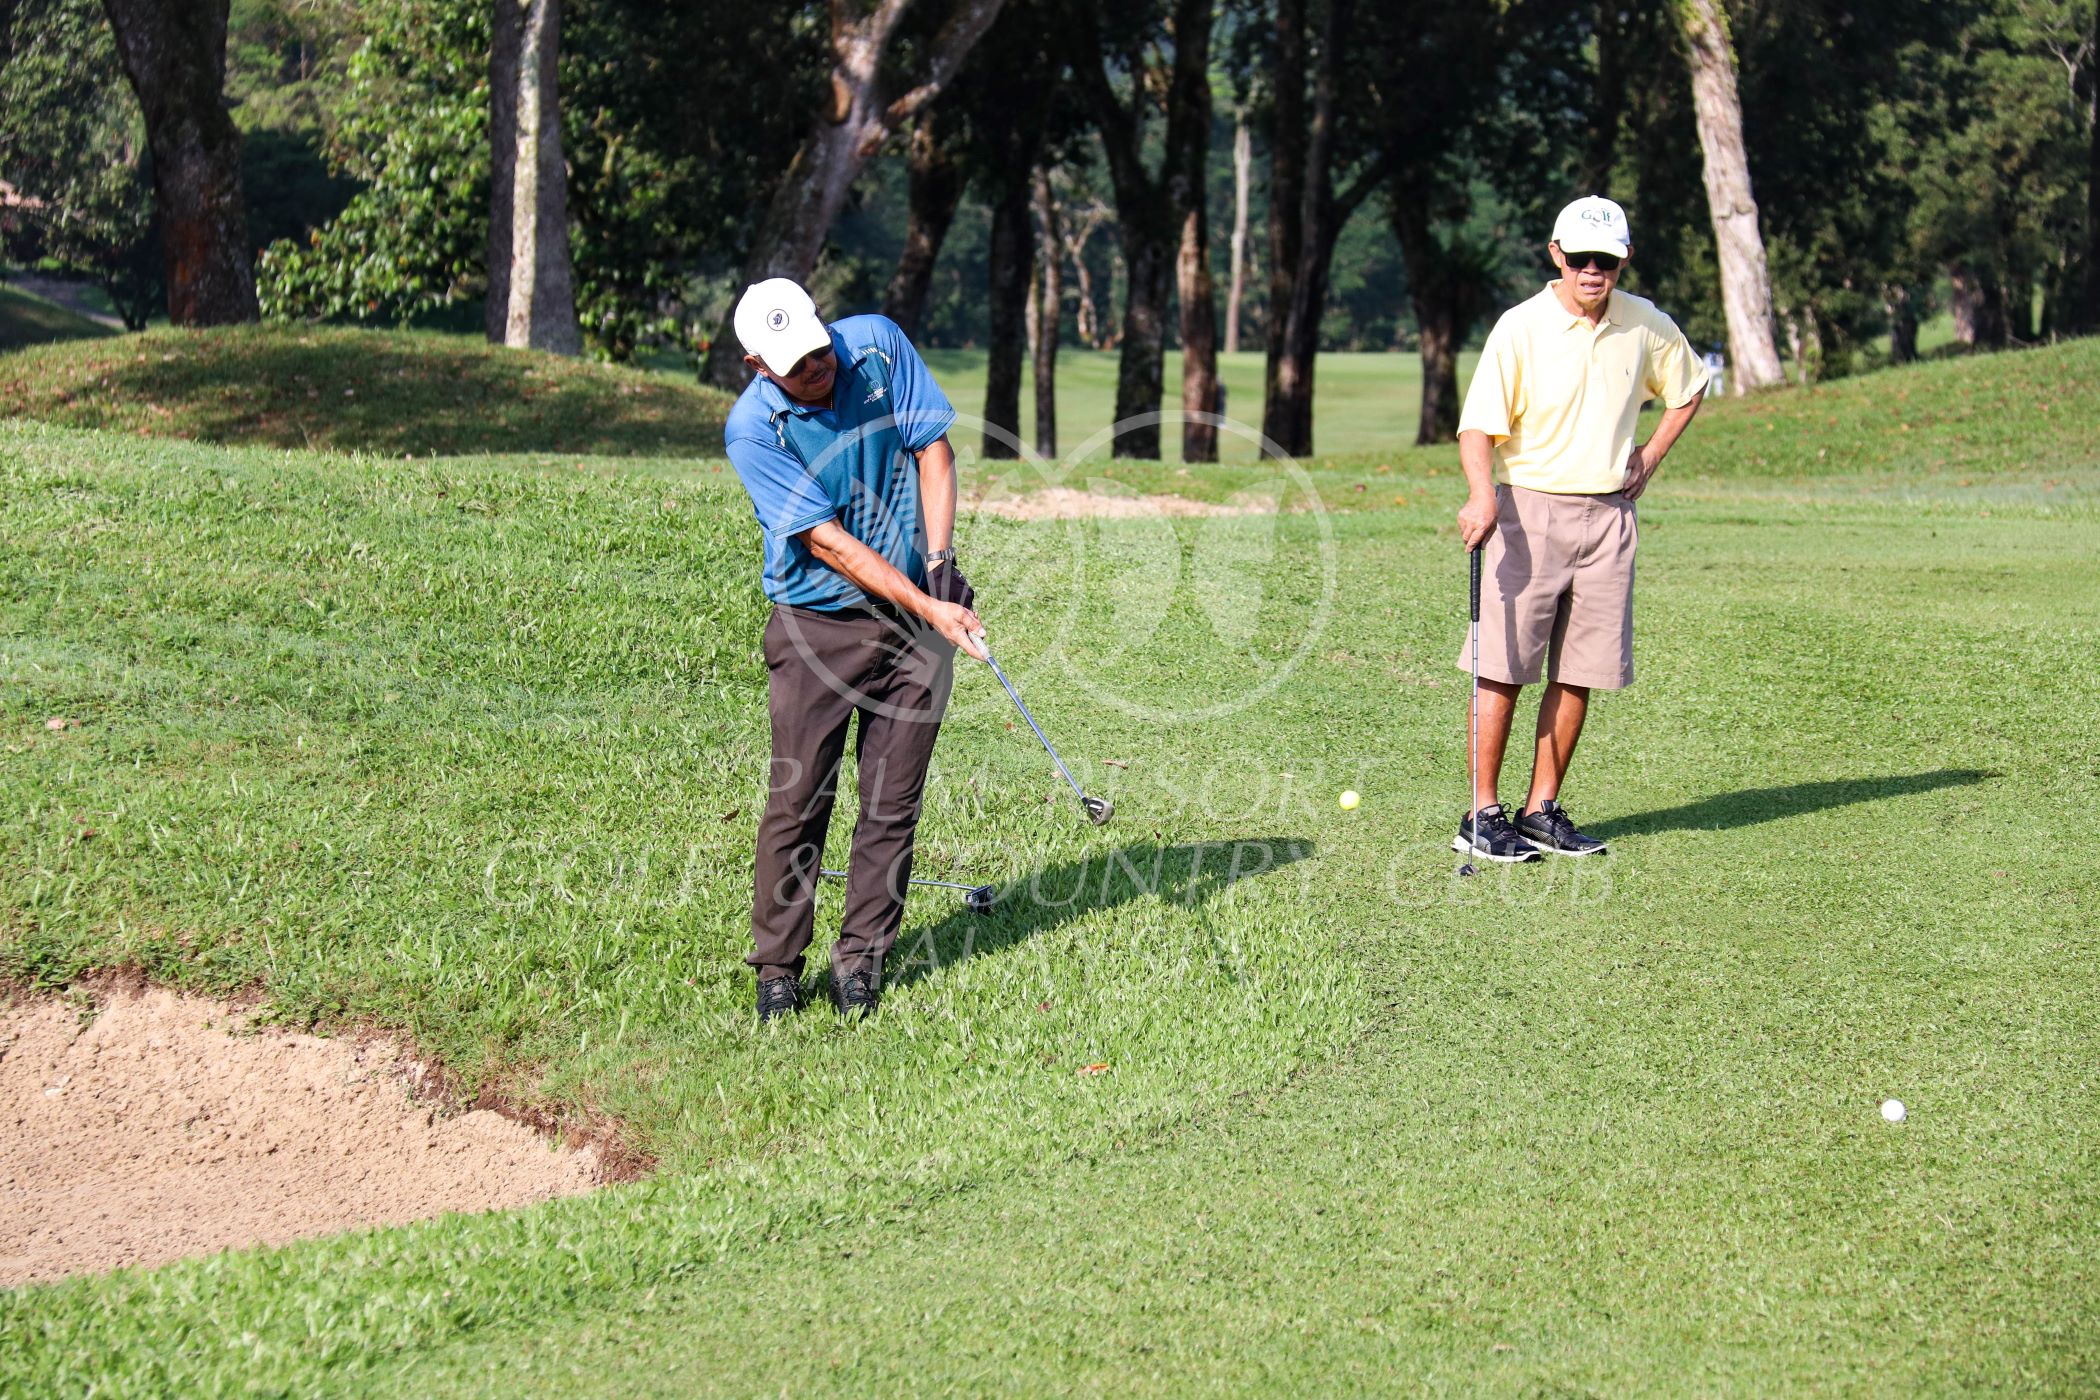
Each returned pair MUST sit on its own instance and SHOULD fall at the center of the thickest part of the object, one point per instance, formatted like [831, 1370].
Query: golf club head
[981, 899]
[1098, 809]
[1467, 869]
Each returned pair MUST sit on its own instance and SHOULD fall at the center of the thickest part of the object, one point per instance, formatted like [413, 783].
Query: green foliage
[72, 143]
[31, 320]
[400, 394]
[412, 127]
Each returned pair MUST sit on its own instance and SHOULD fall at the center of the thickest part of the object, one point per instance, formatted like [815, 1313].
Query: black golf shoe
[1497, 840]
[855, 993]
[778, 997]
[1551, 829]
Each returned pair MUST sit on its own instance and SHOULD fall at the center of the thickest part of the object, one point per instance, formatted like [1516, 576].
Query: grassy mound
[31, 320]
[395, 393]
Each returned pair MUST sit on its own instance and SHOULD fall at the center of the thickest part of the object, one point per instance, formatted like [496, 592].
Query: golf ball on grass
[1349, 800]
[1893, 1110]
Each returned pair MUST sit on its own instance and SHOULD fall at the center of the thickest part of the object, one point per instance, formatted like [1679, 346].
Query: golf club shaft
[1048, 748]
[935, 884]
[1473, 722]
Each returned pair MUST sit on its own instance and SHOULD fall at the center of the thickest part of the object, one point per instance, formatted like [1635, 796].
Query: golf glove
[947, 584]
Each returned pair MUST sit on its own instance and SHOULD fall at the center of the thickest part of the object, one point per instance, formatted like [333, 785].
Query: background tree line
[1806, 176]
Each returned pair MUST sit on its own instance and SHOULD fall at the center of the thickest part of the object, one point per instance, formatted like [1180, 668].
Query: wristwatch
[935, 558]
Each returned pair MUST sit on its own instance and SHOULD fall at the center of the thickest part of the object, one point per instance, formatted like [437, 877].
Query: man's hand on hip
[1639, 472]
[1476, 518]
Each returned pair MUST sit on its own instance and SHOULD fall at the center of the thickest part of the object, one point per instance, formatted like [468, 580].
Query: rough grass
[472, 748]
[31, 320]
[393, 393]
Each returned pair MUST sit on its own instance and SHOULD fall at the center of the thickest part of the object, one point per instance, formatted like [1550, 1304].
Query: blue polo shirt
[854, 461]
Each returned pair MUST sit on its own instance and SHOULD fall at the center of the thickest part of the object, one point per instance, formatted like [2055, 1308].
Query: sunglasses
[807, 363]
[1603, 262]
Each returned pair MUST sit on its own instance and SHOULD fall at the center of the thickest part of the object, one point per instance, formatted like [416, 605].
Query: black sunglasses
[1603, 262]
[808, 362]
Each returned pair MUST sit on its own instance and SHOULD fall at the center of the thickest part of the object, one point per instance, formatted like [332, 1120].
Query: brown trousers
[822, 669]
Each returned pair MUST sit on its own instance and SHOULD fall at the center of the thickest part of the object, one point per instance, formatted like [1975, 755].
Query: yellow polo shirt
[1559, 397]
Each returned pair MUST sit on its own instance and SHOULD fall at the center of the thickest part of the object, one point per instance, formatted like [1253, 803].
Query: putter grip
[1473, 556]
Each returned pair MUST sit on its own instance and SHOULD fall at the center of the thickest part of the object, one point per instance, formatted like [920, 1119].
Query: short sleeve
[1491, 399]
[786, 496]
[923, 411]
[1675, 371]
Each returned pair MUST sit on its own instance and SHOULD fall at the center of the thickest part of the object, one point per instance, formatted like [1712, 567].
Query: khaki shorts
[1558, 578]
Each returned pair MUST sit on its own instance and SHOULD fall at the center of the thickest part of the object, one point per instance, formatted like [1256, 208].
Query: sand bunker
[1064, 503]
[151, 1133]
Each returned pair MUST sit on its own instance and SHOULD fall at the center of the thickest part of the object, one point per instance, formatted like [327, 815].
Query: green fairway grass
[472, 749]
[31, 320]
[390, 392]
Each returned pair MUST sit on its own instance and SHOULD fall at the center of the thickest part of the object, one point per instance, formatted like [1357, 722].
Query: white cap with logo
[1593, 224]
[776, 321]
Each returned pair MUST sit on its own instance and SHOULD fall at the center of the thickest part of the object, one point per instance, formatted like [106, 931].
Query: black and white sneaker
[778, 997]
[1497, 840]
[1551, 829]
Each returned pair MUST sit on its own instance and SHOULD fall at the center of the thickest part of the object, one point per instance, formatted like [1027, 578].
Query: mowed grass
[387, 392]
[472, 749]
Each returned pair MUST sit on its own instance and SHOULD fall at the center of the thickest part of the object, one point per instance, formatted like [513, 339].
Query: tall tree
[1306, 210]
[936, 178]
[1120, 64]
[539, 285]
[174, 52]
[1242, 178]
[1746, 286]
[2089, 308]
[867, 103]
[1188, 151]
[1049, 316]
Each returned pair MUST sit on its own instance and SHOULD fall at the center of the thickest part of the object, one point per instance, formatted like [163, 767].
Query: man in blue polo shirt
[841, 441]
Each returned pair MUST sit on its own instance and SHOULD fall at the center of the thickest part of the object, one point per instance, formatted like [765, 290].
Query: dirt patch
[164, 1128]
[1064, 503]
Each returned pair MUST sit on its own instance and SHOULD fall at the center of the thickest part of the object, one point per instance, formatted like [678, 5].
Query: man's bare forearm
[870, 572]
[1476, 454]
[1666, 433]
[937, 492]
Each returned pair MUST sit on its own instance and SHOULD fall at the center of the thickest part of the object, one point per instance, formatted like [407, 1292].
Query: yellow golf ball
[1349, 800]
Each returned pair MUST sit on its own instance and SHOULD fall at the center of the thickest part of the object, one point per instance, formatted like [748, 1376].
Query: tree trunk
[506, 35]
[174, 52]
[1600, 153]
[1746, 288]
[1978, 305]
[1188, 166]
[542, 288]
[1012, 253]
[1439, 295]
[1305, 216]
[2089, 311]
[1903, 324]
[859, 117]
[937, 180]
[1242, 176]
[1050, 262]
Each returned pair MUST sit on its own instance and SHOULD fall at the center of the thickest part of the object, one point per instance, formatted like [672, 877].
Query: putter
[979, 899]
[1098, 809]
[1465, 866]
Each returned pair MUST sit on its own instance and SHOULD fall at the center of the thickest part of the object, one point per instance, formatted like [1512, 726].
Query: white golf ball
[1349, 800]
[1893, 1110]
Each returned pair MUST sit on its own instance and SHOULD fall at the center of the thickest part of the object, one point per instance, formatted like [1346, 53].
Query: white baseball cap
[1592, 224]
[776, 321]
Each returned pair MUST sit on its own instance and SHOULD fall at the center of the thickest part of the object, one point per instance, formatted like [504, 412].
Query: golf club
[1465, 867]
[1098, 809]
[979, 899]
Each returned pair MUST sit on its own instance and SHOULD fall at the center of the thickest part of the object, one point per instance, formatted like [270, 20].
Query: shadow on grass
[335, 389]
[1187, 875]
[1753, 805]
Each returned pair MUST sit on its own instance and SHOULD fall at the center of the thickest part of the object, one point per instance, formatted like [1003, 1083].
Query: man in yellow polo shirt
[1547, 441]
